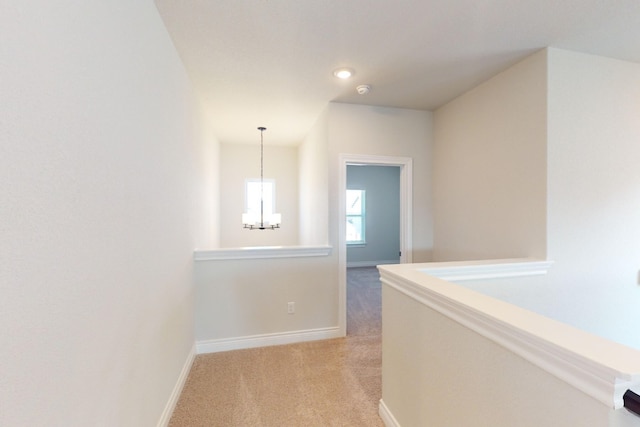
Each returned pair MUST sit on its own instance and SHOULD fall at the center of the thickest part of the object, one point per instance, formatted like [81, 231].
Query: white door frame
[406, 208]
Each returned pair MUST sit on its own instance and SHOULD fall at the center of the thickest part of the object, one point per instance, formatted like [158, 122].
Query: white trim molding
[261, 252]
[492, 269]
[177, 389]
[387, 417]
[264, 340]
[371, 263]
[594, 365]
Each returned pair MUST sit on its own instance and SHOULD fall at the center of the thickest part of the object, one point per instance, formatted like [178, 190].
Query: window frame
[362, 216]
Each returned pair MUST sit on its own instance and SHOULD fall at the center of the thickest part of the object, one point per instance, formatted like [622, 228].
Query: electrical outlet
[291, 307]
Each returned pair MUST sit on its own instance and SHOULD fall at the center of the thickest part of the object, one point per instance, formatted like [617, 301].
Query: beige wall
[314, 186]
[239, 162]
[439, 373]
[490, 168]
[540, 161]
[207, 209]
[245, 298]
[360, 129]
[106, 168]
[594, 192]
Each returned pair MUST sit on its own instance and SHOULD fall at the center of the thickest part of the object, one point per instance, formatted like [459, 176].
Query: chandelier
[253, 220]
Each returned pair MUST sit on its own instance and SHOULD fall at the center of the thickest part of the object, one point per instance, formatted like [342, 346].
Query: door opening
[405, 241]
[373, 215]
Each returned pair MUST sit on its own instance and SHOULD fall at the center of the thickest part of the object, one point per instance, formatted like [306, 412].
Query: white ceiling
[270, 62]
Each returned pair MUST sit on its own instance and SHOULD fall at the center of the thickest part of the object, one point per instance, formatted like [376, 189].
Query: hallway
[321, 383]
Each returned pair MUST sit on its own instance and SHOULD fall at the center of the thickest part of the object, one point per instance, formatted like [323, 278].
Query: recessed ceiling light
[343, 73]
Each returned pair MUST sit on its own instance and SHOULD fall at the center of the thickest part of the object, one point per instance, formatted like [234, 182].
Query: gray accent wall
[382, 232]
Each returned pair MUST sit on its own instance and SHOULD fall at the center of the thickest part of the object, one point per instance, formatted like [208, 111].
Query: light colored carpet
[322, 383]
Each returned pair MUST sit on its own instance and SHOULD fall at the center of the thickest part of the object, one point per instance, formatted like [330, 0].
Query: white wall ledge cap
[486, 269]
[260, 252]
[601, 368]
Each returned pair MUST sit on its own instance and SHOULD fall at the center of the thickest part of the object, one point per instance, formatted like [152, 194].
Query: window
[355, 217]
[252, 197]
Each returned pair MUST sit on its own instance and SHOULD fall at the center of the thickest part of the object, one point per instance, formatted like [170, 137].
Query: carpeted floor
[322, 383]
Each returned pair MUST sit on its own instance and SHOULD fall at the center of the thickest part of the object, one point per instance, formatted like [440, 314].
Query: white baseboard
[253, 341]
[387, 417]
[177, 389]
[371, 263]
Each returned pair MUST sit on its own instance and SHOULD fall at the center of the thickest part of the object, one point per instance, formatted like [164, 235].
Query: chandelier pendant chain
[262, 129]
[251, 220]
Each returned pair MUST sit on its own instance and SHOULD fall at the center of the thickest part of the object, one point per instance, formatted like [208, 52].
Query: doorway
[373, 238]
[373, 215]
[405, 165]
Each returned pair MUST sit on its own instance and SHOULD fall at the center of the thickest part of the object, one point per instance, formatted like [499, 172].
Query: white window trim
[363, 216]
